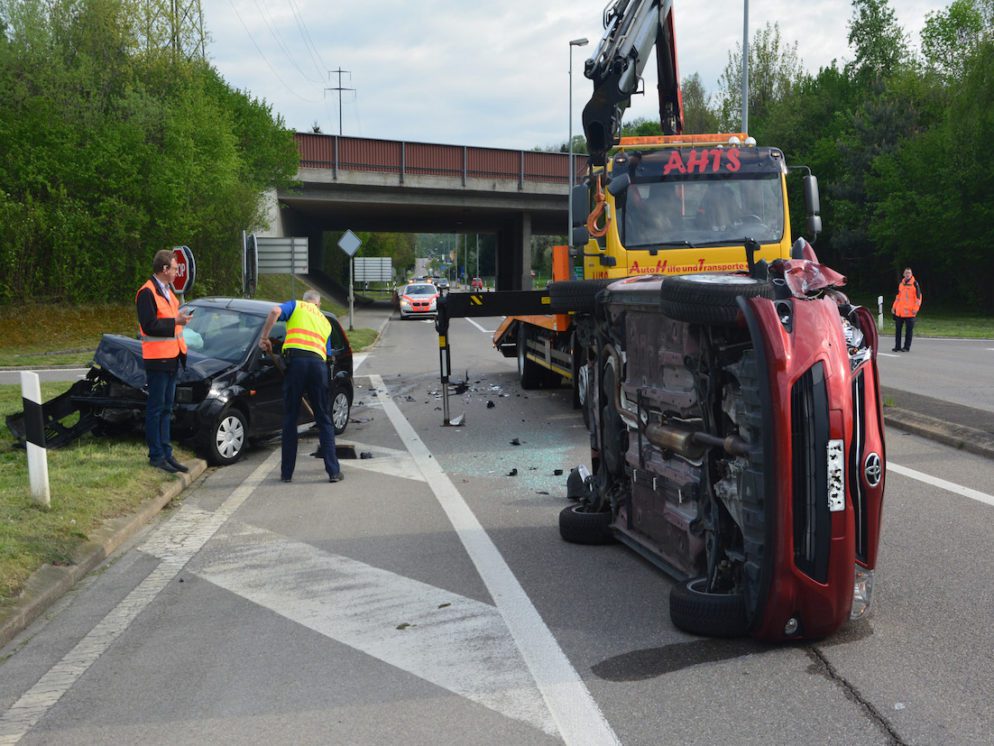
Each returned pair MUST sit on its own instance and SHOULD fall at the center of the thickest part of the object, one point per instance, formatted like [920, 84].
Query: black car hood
[122, 358]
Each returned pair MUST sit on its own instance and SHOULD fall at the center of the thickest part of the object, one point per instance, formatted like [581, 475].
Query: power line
[266, 59]
[279, 41]
[308, 41]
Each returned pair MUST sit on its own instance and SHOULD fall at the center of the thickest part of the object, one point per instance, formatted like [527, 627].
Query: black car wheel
[577, 525]
[341, 406]
[709, 298]
[227, 439]
[698, 612]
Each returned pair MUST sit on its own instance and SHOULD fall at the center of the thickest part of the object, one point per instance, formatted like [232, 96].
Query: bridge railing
[424, 159]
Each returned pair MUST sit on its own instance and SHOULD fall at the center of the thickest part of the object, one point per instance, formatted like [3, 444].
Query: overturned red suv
[736, 432]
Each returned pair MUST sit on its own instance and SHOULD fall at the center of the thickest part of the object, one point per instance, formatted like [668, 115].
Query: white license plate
[836, 476]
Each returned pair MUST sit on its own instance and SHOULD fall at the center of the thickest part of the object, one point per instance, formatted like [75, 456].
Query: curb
[49, 583]
[961, 437]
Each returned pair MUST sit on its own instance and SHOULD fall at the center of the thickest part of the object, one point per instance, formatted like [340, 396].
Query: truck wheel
[577, 526]
[529, 372]
[708, 298]
[575, 295]
[698, 612]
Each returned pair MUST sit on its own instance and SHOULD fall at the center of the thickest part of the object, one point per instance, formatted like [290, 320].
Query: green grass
[90, 481]
[934, 322]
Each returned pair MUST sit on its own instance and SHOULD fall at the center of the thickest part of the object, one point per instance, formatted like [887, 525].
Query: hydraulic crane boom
[631, 29]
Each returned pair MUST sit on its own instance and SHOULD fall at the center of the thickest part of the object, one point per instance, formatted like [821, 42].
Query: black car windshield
[420, 290]
[222, 333]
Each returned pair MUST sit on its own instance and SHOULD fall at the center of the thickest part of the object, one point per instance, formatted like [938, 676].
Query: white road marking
[358, 359]
[454, 642]
[574, 710]
[942, 484]
[485, 331]
[887, 354]
[175, 542]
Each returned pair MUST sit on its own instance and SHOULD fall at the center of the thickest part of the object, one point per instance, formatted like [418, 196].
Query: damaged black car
[228, 396]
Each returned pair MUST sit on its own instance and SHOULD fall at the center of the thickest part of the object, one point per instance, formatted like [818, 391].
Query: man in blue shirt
[306, 348]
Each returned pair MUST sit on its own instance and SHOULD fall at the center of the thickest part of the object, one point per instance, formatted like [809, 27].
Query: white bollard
[880, 312]
[34, 432]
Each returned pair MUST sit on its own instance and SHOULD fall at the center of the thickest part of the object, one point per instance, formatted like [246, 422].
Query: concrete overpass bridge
[407, 187]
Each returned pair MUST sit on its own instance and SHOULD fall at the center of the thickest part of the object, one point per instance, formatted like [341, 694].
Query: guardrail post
[34, 434]
[880, 312]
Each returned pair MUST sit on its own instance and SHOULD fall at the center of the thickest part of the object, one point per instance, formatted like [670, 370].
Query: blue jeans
[307, 373]
[159, 412]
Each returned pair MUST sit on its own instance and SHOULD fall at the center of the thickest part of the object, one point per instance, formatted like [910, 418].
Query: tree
[774, 70]
[114, 146]
[698, 116]
[950, 37]
[880, 46]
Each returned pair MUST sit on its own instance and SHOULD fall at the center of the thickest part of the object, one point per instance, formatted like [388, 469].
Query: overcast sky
[479, 73]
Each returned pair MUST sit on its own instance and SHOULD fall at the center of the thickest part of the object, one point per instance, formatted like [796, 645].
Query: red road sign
[187, 270]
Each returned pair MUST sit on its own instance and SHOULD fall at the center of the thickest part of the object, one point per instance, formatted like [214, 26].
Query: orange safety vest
[307, 329]
[162, 348]
[908, 300]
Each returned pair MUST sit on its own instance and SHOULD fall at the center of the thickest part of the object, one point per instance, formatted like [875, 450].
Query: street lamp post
[745, 66]
[582, 42]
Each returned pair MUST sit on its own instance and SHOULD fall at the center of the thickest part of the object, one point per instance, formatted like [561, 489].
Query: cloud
[484, 73]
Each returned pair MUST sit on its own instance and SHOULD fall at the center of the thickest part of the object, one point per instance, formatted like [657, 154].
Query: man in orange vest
[905, 309]
[306, 349]
[160, 327]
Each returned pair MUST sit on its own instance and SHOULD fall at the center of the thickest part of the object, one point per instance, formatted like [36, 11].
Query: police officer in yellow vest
[160, 326]
[306, 349]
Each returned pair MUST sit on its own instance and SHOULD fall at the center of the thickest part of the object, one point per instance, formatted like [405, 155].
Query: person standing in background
[160, 326]
[905, 309]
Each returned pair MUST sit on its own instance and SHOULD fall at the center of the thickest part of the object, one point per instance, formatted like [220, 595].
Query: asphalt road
[429, 599]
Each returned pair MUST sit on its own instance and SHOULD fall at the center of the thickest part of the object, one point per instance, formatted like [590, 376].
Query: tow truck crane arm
[631, 29]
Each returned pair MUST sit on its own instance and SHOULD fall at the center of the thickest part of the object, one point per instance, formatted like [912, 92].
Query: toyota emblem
[873, 470]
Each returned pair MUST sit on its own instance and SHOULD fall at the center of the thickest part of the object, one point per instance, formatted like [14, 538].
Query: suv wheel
[698, 612]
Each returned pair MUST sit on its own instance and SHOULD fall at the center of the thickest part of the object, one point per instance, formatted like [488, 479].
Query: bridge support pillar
[514, 254]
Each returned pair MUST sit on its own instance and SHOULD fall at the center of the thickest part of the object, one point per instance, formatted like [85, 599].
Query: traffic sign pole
[350, 243]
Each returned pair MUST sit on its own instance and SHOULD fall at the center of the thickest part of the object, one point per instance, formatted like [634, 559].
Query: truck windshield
[701, 197]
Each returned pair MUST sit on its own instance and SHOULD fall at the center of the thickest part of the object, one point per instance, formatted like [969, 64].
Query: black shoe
[164, 465]
[906, 349]
[286, 479]
[176, 465]
[897, 349]
[337, 477]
